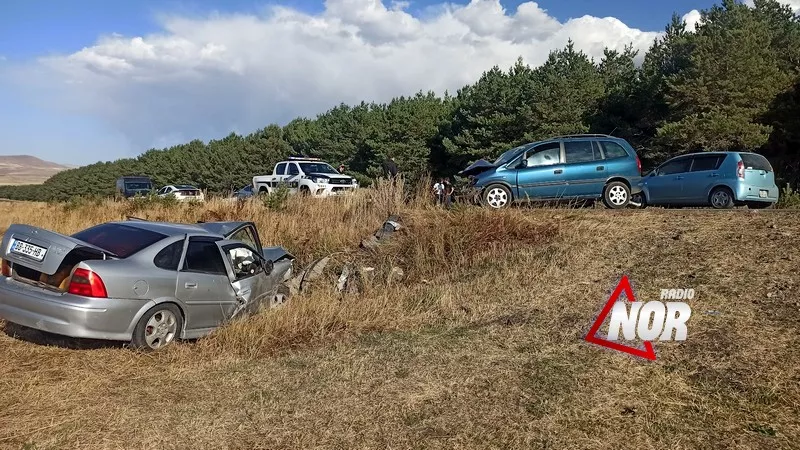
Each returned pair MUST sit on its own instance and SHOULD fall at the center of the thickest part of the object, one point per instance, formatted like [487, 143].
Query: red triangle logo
[624, 285]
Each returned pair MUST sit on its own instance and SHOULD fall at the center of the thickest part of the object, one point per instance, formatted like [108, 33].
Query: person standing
[449, 190]
[341, 168]
[438, 191]
[389, 168]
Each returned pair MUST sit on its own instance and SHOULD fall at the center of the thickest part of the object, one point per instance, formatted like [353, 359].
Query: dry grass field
[479, 347]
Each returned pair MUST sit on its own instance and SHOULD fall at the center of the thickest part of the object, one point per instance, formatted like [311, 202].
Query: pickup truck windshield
[317, 168]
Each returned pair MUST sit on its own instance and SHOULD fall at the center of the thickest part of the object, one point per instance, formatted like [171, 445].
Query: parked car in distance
[243, 193]
[128, 187]
[139, 281]
[307, 176]
[182, 192]
[718, 179]
[583, 166]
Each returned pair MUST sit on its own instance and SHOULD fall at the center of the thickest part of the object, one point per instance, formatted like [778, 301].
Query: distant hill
[26, 169]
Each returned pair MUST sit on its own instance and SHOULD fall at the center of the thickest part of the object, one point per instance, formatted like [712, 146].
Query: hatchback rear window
[121, 240]
[755, 162]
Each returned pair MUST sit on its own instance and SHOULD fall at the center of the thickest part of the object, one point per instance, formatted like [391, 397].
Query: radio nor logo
[647, 321]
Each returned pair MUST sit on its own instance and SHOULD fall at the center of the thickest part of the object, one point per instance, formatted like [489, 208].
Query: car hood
[477, 168]
[338, 176]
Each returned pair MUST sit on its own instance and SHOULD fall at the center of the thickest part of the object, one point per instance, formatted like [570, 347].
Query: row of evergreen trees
[732, 84]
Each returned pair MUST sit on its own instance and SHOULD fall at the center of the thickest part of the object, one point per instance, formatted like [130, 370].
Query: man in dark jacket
[389, 168]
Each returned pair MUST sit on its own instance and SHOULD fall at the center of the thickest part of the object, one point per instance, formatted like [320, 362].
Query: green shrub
[789, 198]
[276, 200]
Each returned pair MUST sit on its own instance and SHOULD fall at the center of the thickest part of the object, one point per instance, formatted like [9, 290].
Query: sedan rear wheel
[158, 327]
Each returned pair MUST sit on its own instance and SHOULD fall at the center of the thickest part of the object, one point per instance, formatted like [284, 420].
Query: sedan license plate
[29, 250]
[762, 193]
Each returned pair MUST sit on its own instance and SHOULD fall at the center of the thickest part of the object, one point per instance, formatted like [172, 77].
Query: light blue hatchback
[585, 166]
[718, 179]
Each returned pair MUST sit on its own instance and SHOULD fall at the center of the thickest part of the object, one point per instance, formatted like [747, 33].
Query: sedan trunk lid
[40, 249]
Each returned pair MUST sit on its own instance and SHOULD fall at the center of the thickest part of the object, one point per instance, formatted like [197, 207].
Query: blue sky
[50, 127]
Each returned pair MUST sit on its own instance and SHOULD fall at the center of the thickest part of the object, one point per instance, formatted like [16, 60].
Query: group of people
[444, 191]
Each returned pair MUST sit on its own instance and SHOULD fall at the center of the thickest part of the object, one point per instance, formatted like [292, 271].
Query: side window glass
[170, 256]
[202, 255]
[293, 169]
[596, 150]
[614, 150]
[281, 169]
[245, 235]
[244, 261]
[678, 166]
[703, 163]
[544, 155]
[578, 152]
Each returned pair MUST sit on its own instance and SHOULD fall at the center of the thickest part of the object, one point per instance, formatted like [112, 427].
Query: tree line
[731, 84]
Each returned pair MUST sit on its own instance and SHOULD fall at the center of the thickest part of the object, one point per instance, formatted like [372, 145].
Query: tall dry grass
[480, 345]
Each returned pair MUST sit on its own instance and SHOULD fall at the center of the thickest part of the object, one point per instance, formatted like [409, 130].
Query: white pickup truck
[308, 176]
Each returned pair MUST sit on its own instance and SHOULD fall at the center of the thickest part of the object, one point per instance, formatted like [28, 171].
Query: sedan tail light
[87, 284]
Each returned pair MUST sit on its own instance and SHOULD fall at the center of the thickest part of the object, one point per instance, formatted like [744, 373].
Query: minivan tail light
[6, 268]
[87, 284]
[639, 164]
[740, 169]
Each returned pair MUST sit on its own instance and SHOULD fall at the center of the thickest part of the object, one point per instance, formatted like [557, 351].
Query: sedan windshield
[317, 168]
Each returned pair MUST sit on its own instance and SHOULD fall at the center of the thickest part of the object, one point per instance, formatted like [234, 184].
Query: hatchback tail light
[6, 268]
[740, 169]
[87, 284]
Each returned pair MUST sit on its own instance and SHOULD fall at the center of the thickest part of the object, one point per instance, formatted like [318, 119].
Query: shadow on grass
[44, 338]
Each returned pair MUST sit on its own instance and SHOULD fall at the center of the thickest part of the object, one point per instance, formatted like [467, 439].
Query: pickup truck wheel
[305, 191]
[158, 327]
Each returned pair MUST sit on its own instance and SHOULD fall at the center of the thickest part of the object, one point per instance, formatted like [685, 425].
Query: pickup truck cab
[308, 176]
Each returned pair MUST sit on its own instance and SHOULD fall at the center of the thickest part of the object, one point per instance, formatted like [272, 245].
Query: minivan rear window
[121, 240]
[755, 162]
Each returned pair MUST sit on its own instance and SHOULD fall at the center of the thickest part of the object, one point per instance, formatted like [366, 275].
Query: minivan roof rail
[582, 135]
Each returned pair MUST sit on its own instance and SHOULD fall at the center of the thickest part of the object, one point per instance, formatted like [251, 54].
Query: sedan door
[249, 276]
[204, 285]
[665, 184]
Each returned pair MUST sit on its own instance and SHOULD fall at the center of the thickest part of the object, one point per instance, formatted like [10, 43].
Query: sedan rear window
[121, 240]
[755, 162]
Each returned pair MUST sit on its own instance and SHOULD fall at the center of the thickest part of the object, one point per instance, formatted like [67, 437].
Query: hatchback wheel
[616, 195]
[721, 198]
[158, 327]
[638, 201]
[497, 196]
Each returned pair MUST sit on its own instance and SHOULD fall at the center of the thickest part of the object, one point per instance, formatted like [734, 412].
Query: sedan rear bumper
[67, 314]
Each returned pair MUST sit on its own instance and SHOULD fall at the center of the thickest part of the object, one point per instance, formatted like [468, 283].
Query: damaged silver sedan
[144, 282]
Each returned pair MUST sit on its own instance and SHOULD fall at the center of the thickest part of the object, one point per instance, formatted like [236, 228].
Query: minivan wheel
[497, 196]
[616, 195]
[721, 198]
[158, 327]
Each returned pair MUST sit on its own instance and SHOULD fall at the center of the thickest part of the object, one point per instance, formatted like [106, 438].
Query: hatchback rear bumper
[751, 193]
[67, 314]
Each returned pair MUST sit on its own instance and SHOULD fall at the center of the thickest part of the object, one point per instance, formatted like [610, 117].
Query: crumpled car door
[249, 275]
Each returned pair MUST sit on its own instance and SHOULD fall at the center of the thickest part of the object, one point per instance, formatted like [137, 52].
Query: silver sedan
[139, 281]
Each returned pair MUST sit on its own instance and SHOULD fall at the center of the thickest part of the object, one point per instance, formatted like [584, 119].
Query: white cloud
[203, 77]
[692, 18]
[795, 4]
